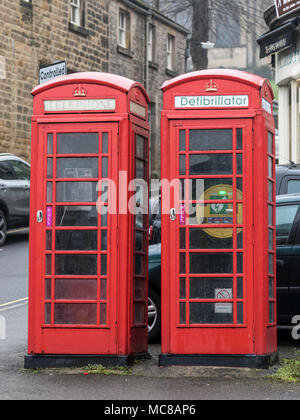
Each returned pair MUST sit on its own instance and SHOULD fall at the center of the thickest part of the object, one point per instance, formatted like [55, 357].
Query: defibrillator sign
[220, 101]
[220, 212]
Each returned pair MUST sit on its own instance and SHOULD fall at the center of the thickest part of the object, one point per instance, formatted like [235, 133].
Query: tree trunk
[200, 31]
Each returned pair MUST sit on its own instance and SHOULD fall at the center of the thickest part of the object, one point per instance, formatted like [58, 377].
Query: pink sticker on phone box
[182, 216]
[49, 217]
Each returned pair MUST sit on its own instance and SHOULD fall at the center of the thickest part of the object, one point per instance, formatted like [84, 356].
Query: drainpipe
[146, 72]
[188, 56]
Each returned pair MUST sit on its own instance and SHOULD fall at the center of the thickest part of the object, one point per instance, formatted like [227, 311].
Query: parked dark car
[288, 262]
[154, 270]
[287, 179]
[288, 258]
[154, 320]
[14, 194]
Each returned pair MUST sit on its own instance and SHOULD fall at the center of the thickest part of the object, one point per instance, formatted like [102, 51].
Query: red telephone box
[218, 237]
[88, 281]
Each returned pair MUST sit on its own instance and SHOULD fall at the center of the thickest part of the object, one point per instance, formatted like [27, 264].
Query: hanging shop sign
[284, 7]
[278, 39]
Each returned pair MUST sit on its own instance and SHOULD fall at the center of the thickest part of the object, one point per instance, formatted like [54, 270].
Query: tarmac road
[146, 382]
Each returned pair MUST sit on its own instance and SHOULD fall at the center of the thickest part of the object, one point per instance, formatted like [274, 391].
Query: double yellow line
[13, 304]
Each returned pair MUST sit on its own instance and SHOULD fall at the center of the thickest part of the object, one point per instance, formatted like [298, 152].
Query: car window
[293, 186]
[285, 216]
[6, 171]
[278, 182]
[21, 169]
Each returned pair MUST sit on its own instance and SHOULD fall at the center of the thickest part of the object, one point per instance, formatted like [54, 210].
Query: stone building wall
[128, 63]
[34, 34]
[133, 64]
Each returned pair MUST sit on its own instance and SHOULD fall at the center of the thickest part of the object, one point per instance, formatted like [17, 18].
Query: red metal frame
[228, 331]
[257, 334]
[107, 332]
[110, 300]
[140, 301]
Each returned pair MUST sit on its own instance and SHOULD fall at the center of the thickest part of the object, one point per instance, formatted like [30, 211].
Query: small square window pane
[239, 164]
[271, 288]
[182, 165]
[182, 137]
[50, 144]
[240, 313]
[271, 313]
[182, 313]
[47, 313]
[240, 288]
[182, 288]
[271, 264]
[239, 139]
[140, 146]
[105, 143]
[270, 143]
[49, 168]
[182, 264]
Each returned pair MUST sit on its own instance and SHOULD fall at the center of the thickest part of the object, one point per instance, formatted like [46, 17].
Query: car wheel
[154, 323]
[3, 228]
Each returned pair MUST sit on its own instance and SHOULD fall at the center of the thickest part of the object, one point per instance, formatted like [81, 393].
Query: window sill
[153, 65]
[125, 51]
[78, 30]
[171, 73]
[26, 4]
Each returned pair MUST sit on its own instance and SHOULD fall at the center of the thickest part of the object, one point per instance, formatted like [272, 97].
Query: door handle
[172, 215]
[39, 216]
[3, 187]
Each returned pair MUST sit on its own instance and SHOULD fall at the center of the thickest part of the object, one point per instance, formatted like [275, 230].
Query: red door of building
[211, 278]
[77, 297]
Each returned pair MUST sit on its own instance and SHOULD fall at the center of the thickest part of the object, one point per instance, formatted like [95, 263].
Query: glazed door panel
[77, 283]
[210, 231]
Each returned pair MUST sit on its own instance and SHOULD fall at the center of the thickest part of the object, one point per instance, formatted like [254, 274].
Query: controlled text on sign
[52, 71]
[226, 101]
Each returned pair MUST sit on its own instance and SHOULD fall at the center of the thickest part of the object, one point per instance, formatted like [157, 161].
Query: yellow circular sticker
[219, 213]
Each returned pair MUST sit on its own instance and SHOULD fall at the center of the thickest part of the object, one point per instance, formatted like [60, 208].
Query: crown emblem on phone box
[80, 91]
[211, 87]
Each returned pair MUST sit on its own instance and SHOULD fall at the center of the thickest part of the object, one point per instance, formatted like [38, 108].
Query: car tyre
[3, 228]
[154, 317]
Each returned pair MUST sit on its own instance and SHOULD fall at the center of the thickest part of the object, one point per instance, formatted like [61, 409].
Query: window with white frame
[170, 52]
[124, 29]
[151, 43]
[76, 6]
